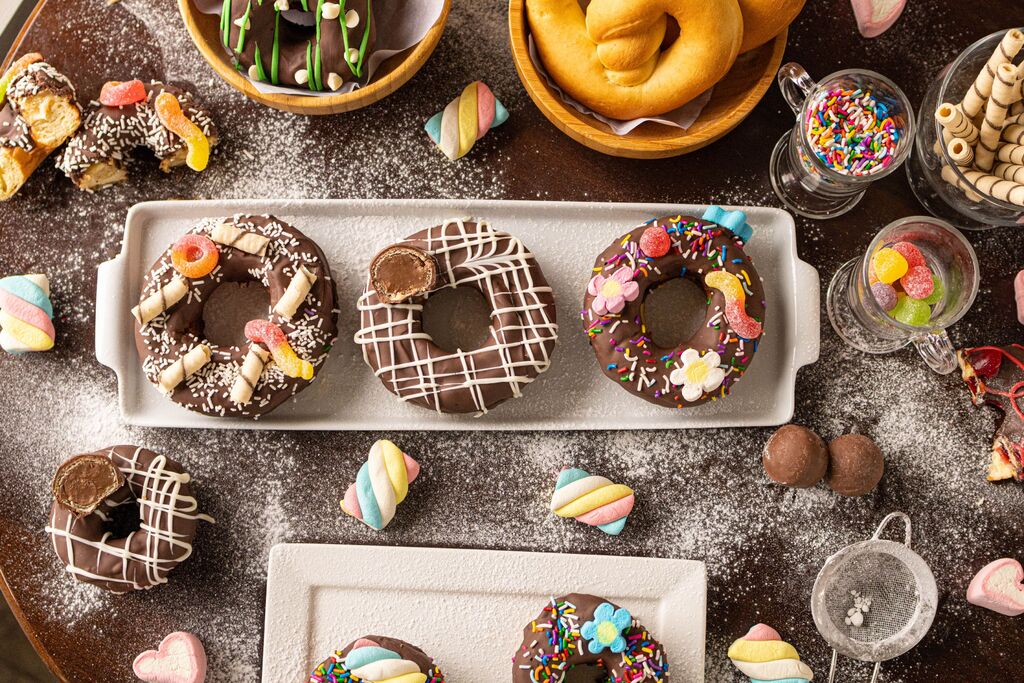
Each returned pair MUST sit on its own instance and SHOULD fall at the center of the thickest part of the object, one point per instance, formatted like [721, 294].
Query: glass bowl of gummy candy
[948, 187]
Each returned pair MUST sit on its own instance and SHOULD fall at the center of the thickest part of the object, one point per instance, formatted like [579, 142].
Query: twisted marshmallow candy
[762, 656]
[382, 483]
[368, 661]
[592, 500]
[466, 119]
[26, 314]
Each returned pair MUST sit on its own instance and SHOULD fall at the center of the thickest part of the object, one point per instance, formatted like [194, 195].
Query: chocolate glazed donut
[376, 661]
[706, 366]
[520, 341]
[312, 44]
[263, 249]
[580, 631]
[168, 514]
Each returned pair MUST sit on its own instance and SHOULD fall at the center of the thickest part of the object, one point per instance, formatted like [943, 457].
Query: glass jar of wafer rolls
[967, 166]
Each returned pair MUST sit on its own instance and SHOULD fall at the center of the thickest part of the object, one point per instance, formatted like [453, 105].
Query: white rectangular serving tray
[566, 237]
[466, 608]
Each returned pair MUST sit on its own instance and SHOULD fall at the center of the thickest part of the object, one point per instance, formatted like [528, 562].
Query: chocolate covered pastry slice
[995, 377]
[39, 114]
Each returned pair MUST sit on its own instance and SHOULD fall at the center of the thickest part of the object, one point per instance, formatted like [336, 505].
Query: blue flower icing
[605, 631]
[733, 220]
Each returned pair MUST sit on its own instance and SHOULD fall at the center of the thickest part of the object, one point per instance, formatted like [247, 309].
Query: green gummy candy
[937, 292]
[913, 312]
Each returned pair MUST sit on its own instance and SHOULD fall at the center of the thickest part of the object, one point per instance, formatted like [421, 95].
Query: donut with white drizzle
[703, 368]
[237, 380]
[168, 515]
[520, 340]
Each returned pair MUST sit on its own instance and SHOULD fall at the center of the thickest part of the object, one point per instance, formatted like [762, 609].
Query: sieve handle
[885, 522]
[832, 670]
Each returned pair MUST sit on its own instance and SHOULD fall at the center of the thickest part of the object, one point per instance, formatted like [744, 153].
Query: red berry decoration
[910, 252]
[918, 282]
[986, 362]
[118, 94]
[655, 242]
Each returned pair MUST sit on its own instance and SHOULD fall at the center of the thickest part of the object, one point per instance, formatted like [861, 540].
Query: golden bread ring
[765, 19]
[610, 59]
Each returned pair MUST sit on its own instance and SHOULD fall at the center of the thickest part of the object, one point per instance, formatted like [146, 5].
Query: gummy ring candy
[118, 94]
[168, 109]
[16, 68]
[195, 256]
[273, 337]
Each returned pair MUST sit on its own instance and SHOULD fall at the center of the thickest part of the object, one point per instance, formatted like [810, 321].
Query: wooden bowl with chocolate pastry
[304, 44]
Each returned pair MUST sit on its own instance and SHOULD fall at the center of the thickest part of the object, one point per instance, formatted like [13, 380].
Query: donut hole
[457, 318]
[229, 307]
[586, 673]
[674, 311]
[123, 520]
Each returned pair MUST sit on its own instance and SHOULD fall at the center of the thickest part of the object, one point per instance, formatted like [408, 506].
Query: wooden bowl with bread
[205, 30]
[735, 93]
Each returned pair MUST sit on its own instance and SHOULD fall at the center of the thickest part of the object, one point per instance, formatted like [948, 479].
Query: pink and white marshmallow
[999, 586]
[180, 658]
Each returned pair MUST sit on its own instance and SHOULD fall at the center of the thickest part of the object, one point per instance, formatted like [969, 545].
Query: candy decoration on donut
[163, 118]
[270, 335]
[995, 377]
[168, 516]
[591, 633]
[466, 119]
[315, 45]
[180, 658]
[762, 656]
[381, 485]
[592, 500]
[522, 332]
[700, 369]
[378, 659]
[26, 314]
[236, 376]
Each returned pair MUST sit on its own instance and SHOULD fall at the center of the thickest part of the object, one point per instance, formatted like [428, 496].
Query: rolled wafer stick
[960, 152]
[1016, 119]
[231, 235]
[161, 300]
[249, 374]
[950, 176]
[296, 293]
[1014, 133]
[1010, 172]
[981, 89]
[995, 115]
[952, 119]
[184, 367]
[945, 137]
[996, 187]
[1011, 154]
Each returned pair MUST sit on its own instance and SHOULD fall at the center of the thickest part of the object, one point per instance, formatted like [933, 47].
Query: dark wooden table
[702, 494]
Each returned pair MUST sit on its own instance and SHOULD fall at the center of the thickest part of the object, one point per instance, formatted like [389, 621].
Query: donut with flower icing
[378, 659]
[89, 488]
[706, 366]
[583, 637]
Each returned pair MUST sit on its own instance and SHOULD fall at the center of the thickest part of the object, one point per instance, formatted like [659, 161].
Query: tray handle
[807, 346]
[111, 308]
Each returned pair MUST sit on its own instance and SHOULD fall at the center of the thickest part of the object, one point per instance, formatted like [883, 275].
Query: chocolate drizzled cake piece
[39, 114]
[100, 153]
[995, 377]
[85, 481]
[402, 271]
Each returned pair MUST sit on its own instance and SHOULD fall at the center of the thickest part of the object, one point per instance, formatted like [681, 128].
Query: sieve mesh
[890, 585]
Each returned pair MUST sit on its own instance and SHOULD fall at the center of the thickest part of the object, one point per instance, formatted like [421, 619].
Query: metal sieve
[901, 589]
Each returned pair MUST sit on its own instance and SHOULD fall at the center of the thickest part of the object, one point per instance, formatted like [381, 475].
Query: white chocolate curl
[995, 115]
[980, 91]
[249, 375]
[161, 300]
[960, 152]
[186, 366]
[296, 293]
[954, 121]
[231, 236]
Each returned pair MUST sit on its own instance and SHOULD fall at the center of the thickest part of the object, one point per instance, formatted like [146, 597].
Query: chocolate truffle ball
[795, 456]
[855, 465]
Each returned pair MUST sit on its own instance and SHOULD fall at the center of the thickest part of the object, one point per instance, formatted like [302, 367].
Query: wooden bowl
[732, 100]
[389, 76]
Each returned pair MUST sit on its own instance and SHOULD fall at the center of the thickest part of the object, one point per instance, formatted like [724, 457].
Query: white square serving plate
[466, 608]
[565, 237]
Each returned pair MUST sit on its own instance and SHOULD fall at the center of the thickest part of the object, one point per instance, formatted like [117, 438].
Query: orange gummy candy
[195, 256]
[168, 108]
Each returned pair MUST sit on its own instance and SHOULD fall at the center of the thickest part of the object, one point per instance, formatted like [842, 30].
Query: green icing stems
[366, 37]
[275, 54]
[344, 37]
[242, 31]
[317, 74]
[259, 65]
[225, 22]
[309, 58]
